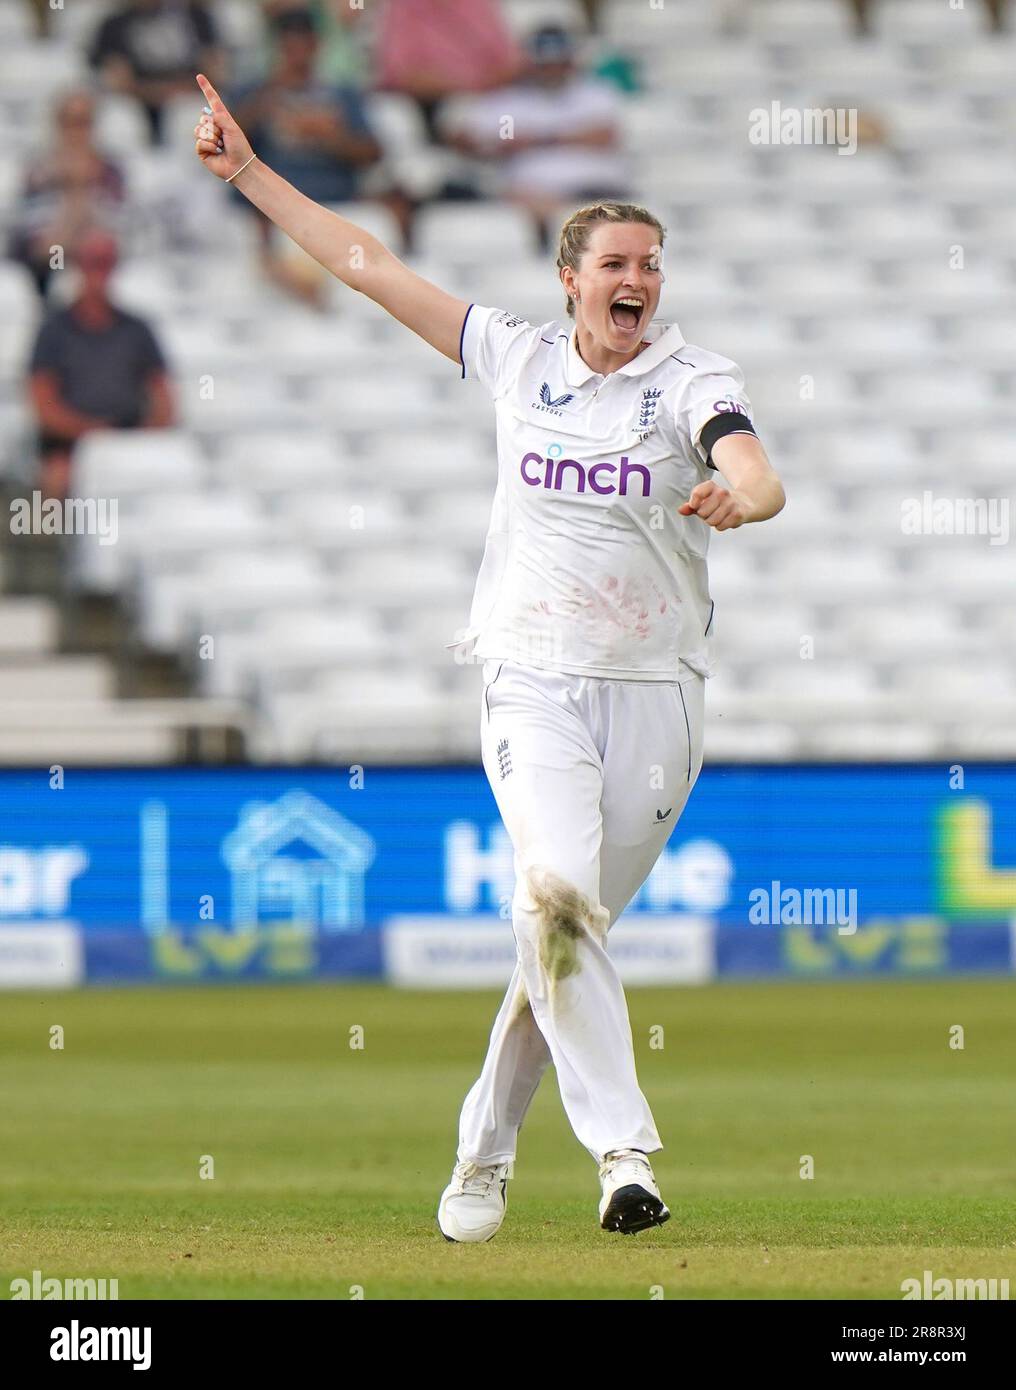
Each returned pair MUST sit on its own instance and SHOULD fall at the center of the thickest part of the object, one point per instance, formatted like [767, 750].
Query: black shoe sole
[633, 1209]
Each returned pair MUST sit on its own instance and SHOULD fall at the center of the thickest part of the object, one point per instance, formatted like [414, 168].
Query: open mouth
[626, 313]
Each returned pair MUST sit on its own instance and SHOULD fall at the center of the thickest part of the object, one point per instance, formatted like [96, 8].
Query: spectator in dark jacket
[151, 50]
[93, 367]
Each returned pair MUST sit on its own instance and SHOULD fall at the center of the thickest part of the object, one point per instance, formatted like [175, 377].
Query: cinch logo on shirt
[728, 406]
[568, 475]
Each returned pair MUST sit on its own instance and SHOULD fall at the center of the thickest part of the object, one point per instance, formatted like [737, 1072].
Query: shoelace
[624, 1156]
[474, 1179]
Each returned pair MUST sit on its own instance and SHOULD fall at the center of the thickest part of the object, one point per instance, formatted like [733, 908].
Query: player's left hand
[716, 506]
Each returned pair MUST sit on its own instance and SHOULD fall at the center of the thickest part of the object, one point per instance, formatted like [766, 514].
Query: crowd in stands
[527, 119]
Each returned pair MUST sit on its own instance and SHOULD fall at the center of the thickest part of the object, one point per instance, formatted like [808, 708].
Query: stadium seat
[335, 522]
[281, 649]
[219, 589]
[57, 678]
[401, 578]
[38, 69]
[494, 231]
[110, 463]
[28, 627]
[275, 462]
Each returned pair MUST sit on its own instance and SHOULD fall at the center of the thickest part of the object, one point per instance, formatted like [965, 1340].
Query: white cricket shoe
[473, 1204]
[631, 1200]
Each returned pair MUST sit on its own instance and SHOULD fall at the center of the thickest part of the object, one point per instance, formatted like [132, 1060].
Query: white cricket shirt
[588, 567]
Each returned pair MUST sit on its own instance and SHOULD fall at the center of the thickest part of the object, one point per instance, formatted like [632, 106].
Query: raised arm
[351, 253]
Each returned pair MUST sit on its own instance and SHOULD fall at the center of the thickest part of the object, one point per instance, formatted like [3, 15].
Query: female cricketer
[593, 621]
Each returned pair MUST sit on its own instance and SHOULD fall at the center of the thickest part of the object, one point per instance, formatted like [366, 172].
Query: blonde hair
[578, 229]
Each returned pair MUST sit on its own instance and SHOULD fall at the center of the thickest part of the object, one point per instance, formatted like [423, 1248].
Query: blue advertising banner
[242, 865]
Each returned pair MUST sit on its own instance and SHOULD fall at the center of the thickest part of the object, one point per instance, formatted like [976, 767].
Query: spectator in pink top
[431, 49]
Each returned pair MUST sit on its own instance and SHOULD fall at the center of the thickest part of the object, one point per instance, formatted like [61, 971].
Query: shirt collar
[663, 338]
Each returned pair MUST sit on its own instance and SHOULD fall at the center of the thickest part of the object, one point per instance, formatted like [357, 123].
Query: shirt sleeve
[149, 354]
[46, 354]
[493, 346]
[714, 403]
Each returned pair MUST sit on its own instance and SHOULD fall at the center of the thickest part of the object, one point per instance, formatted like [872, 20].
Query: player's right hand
[220, 143]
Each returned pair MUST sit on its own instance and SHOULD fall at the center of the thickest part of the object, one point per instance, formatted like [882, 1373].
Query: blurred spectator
[564, 141]
[69, 188]
[864, 12]
[432, 49]
[43, 13]
[315, 135]
[343, 57]
[93, 367]
[151, 50]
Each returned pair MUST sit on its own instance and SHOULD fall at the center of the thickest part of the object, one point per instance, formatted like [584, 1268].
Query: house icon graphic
[297, 860]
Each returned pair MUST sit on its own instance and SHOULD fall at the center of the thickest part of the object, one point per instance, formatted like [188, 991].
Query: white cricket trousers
[590, 776]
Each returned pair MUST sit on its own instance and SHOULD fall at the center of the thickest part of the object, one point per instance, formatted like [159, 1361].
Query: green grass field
[329, 1161]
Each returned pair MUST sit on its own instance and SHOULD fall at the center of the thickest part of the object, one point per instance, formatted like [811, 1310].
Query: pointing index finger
[211, 95]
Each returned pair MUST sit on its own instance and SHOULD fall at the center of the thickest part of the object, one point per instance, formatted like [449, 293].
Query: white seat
[740, 741]
[39, 68]
[949, 686]
[121, 123]
[336, 522]
[165, 532]
[829, 682]
[875, 741]
[459, 519]
[803, 394]
[241, 400]
[284, 647]
[865, 453]
[394, 713]
[424, 463]
[19, 301]
[475, 232]
[800, 21]
[864, 341]
[145, 288]
[16, 24]
[373, 402]
[28, 626]
[110, 463]
[963, 571]
[924, 395]
[827, 575]
[405, 579]
[892, 634]
[58, 678]
[227, 584]
[277, 462]
[913, 22]
[746, 631]
[242, 24]
[985, 341]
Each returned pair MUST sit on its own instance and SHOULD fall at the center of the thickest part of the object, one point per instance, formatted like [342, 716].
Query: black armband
[731, 422]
